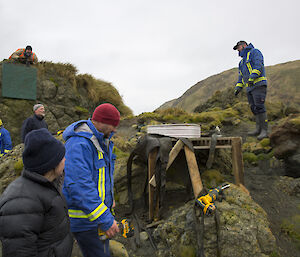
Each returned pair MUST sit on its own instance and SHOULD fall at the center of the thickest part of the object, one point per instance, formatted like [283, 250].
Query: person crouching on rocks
[33, 213]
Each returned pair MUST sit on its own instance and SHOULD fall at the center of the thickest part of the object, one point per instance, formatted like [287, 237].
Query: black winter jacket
[32, 123]
[34, 220]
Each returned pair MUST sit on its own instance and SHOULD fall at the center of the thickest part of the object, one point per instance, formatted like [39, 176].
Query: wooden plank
[217, 147]
[237, 161]
[151, 171]
[174, 152]
[194, 171]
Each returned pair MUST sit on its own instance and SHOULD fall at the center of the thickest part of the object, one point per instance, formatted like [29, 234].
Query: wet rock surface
[285, 140]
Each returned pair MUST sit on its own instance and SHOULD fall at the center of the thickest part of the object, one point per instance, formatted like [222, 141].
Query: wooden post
[151, 171]
[194, 171]
[237, 160]
[174, 152]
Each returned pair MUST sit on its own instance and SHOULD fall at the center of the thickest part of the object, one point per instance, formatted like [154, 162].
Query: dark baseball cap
[241, 42]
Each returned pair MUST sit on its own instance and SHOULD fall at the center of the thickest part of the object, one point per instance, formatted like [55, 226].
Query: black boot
[256, 132]
[264, 126]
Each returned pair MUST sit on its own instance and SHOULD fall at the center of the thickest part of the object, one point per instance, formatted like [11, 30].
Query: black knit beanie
[42, 151]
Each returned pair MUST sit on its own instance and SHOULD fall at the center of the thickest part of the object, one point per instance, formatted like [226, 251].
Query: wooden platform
[201, 143]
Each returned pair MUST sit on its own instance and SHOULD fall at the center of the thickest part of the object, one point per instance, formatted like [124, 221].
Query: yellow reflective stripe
[97, 212]
[239, 85]
[248, 56]
[256, 72]
[101, 180]
[259, 79]
[249, 67]
[6, 151]
[103, 184]
[76, 214]
[248, 64]
[91, 216]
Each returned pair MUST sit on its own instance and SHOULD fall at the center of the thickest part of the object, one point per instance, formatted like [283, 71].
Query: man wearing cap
[33, 213]
[88, 184]
[25, 56]
[5, 140]
[36, 121]
[252, 75]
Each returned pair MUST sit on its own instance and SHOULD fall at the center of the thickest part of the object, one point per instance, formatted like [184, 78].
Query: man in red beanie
[88, 184]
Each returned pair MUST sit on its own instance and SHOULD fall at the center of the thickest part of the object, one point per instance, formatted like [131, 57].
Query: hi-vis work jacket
[5, 141]
[251, 68]
[19, 53]
[88, 183]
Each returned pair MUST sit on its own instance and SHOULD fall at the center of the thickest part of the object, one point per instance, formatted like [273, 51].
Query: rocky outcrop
[243, 231]
[285, 140]
[67, 97]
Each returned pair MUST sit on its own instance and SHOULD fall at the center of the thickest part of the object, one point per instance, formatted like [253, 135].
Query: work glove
[237, 90]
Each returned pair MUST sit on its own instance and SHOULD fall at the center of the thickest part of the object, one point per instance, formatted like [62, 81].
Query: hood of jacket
[86, 129]
[246, 50]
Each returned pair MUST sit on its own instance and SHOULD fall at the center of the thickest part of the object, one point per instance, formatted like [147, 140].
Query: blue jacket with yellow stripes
[88, 184]
[5, 141]
[251, 68]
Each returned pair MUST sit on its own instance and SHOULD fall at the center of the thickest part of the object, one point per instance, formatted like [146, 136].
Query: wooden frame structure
[233, 143]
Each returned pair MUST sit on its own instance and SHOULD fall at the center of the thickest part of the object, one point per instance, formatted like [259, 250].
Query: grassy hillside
[283, 79]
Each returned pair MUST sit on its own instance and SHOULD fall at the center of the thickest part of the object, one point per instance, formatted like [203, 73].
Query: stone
[49, 89]
[144, 236]
[117, 249]
[243, 231]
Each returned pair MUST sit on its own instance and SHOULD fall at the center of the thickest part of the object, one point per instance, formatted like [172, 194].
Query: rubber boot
[256, 132]
[264, 126]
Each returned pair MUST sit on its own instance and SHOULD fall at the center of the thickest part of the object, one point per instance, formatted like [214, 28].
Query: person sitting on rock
[25, 56]
[34, 122]
[5, 140]
[34, 219]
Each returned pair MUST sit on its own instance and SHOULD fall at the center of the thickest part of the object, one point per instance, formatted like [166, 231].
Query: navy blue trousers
[90, 244]
[256, 99]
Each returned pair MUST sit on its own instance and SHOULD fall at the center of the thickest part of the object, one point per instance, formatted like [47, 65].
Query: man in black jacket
[34, 122]
[34, 219]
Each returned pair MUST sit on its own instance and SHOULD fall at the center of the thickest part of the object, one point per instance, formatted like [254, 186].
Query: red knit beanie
[107, 113]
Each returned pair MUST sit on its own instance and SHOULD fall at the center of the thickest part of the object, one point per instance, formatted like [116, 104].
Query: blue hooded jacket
[88, 184]
[251, 68]
[5, 141]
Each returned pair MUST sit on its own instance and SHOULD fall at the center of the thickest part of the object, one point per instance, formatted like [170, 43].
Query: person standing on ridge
[5, 140]
[88, 184]
[36, 121]
[25, 56]
[252, 76]
[33, 213]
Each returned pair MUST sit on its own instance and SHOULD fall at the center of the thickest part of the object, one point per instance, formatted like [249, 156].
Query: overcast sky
[151, 51]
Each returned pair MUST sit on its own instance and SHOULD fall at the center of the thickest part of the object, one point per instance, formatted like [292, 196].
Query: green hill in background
[283, 86]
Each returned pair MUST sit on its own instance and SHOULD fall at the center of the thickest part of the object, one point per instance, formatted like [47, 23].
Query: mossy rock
[212, 178]
[18, 166]
[81, 110]
[265, 142]
[119, 153]
[250, 158]
[296, 122]
[187, 251]
[291, 227]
